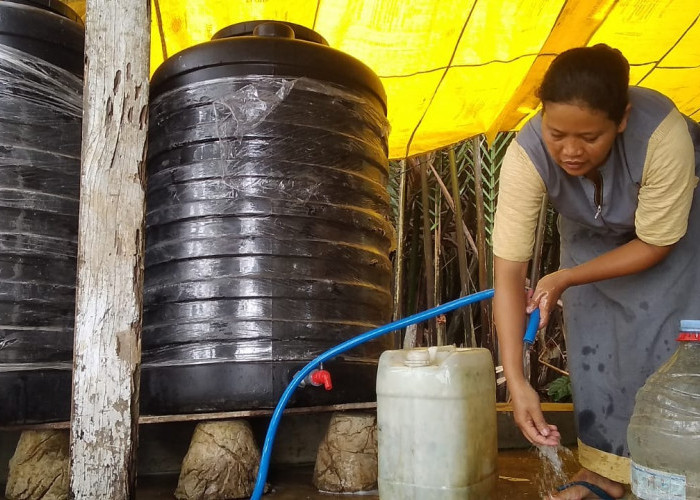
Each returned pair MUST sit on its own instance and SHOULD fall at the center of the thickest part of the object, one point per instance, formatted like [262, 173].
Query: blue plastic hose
[532, 327]
[341, 348]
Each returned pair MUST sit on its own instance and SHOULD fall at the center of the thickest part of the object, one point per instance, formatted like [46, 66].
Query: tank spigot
[317, 378]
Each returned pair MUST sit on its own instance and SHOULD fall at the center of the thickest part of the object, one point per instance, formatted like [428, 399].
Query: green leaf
[560, 388]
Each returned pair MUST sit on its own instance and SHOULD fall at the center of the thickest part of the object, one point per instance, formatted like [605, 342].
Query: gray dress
[618, 331]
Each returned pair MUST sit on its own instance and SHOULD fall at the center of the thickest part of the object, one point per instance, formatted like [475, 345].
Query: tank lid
[690, 330]
[417, 357]
[54, 6]
[266, 48]
[36, 27]
[270, 28]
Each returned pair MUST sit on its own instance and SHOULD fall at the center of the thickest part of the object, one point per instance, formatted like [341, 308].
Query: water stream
[552, 473]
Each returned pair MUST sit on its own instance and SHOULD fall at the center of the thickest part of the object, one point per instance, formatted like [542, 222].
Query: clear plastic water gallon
[664, 432]
[436, 417]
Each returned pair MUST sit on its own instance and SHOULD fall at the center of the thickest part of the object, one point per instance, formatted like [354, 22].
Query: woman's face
[578, 137]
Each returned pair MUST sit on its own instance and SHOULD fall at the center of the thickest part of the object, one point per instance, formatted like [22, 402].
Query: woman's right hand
[529, 418]
[547, 293]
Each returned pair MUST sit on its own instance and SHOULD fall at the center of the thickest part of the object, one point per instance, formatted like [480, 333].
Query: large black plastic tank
[41, 61]
[268, 233]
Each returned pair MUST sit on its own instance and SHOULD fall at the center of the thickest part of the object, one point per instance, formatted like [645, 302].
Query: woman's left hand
[547, 293]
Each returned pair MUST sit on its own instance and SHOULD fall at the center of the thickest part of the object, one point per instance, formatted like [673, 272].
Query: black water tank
[41, 61]
[268, 233]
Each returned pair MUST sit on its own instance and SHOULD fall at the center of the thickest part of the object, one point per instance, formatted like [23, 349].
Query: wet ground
[522, 475]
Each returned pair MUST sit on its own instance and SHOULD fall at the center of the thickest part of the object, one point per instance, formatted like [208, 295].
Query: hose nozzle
[532, 327]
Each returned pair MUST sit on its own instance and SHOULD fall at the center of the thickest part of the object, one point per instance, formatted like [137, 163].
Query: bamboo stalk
[470, 328]
[427, 242]
[486, 333]
[456, 205]
[535, 273]
[450, 201]
[552, 367]
[413, 267]
[399, 257]
[437, 299]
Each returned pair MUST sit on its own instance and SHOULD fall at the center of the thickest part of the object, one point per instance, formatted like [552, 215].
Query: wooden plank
[266, 412]
[197, 417]
[508, 407]
[229, 415]
[110, 250]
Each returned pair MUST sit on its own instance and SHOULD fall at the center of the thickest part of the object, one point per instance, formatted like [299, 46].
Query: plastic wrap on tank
[40, 134]
[268, 221]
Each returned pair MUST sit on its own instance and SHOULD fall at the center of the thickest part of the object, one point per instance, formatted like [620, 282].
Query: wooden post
[104, 421]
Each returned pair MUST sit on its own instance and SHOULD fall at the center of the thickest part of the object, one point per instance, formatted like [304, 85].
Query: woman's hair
[596, 76]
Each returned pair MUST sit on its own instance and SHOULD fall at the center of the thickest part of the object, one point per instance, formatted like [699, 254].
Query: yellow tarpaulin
[456, 68]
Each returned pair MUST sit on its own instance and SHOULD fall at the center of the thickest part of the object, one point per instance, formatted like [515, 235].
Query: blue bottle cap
[690, 325]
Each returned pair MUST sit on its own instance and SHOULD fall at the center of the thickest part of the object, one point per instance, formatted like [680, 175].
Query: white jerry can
[436, 418]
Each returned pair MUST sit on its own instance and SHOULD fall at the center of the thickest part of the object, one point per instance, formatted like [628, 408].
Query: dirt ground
[522, 475]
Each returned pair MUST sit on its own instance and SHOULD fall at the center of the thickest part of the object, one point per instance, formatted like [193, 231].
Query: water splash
[526, 362]
[552, 473]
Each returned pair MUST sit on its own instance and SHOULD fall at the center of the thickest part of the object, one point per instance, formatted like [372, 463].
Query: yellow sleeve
[668, 181]
[520, 194]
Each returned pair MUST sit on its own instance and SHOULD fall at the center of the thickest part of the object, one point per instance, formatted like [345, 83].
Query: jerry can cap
[690, 331]
[417, 357]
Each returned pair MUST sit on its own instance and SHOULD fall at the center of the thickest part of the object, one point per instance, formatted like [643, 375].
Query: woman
[619, 164]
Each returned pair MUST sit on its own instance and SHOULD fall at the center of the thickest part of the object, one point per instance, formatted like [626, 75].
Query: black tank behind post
[41, 66]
